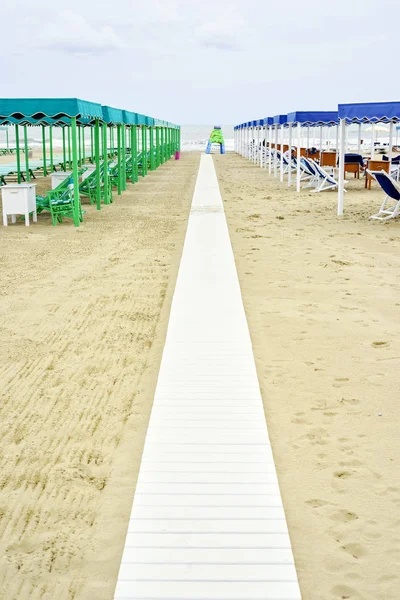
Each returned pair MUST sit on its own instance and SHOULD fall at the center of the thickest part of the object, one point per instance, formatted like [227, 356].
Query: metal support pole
[91, 145]
[342, 127]
[79, 147]
[97, 162]
[390, 142]
[144, 151]
[76, 215]
[157, 147]
[83, 146]
[69, 149]
[27, 174]
[18, 155]
[119, 183]
[298, 171]
[44, 151]
[64, 150]
[133, 153]
[270, 149]
[373, 141]
[51, 149]
[152, 157]
[123, 156]
[290, 156]
[106, 186]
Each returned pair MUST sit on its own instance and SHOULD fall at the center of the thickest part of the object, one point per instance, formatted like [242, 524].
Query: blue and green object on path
[216, 137]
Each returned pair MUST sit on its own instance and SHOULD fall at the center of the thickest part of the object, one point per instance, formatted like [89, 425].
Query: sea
[195, 137]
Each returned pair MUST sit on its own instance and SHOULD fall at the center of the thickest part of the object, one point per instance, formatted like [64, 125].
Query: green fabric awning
[35, 111]
[129, 117]
[112, 116]
[140, 119]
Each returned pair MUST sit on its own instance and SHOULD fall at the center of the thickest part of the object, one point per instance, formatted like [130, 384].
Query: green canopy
[112, 116]
[40, 110]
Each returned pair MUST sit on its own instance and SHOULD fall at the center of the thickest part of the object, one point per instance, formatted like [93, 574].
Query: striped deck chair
[310, 172]
[326, 181]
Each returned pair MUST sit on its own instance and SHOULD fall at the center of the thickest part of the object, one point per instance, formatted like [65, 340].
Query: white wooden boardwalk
[207, 521]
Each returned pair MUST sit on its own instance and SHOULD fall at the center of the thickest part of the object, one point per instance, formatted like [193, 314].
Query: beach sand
[322, 298]
[82, 324]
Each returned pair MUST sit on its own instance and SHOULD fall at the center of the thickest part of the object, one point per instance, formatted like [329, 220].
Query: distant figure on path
[216, 137]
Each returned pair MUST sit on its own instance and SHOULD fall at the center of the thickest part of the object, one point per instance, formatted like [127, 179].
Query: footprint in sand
[343, 516]
[355, 550]
[316, 437]
[344, 592]
[379, 344]
[342, 474]
[351, 401]
[317, 503]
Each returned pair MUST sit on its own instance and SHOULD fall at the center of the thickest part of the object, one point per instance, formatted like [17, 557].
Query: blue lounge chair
[392, 190]
[308, 167]
[325, 181]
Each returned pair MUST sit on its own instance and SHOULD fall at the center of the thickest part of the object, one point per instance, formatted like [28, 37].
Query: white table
[19, 199]
[59, 176]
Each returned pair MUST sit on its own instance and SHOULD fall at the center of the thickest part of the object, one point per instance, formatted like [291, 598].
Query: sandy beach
[322, 300]
[83, 320]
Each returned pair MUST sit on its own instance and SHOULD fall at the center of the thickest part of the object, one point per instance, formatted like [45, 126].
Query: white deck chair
[326, 180]
[392, 190]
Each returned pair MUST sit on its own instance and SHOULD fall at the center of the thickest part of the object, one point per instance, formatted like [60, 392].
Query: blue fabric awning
[280, 119]
[370, 112]
[313, 118]
[268, 120]
[260, 122]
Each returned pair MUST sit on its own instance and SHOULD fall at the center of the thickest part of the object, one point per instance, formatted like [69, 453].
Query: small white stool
[19, 199]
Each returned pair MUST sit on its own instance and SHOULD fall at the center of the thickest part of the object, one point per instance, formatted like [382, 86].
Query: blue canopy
[280, 119]
[309, 119]
[260, 122]
[370, 112]
[268, 120]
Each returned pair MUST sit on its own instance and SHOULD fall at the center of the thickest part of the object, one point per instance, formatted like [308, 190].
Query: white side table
[19, 199]
[58, 176]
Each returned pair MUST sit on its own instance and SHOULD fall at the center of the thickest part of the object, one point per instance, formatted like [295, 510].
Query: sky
[191, 61]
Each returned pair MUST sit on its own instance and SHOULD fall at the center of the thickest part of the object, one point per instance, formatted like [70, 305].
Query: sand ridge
[322, 300]
[82, 324]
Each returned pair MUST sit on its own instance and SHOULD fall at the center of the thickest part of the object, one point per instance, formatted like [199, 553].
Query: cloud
[73, 34]
[219, 35]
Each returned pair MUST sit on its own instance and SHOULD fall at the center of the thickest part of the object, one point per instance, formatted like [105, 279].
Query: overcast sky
[202, 61]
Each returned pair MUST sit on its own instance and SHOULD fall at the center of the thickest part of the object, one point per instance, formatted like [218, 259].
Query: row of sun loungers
[320, 179]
